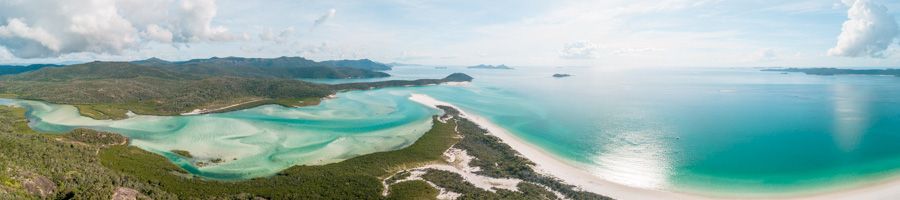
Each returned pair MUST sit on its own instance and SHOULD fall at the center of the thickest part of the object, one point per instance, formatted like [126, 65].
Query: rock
[124, 193]
[40, 186]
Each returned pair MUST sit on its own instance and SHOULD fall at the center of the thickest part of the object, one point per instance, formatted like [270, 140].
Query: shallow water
[700, 130]
[264, 140]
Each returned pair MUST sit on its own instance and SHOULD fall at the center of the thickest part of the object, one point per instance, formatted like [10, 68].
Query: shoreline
[569, 173]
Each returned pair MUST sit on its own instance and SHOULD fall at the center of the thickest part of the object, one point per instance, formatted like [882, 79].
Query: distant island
[490, 67]
[561, 75]
[836, 71]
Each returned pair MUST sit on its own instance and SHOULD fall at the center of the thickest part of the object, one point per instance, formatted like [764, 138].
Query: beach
[570, 173]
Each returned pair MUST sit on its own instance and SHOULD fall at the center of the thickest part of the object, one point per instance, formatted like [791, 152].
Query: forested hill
[359, 64]
[108, 90]
[281, 67]
[99, 70]
[15, 69]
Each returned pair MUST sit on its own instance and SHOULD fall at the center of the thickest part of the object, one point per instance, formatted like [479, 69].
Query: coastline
[547, 164]
[572, 174]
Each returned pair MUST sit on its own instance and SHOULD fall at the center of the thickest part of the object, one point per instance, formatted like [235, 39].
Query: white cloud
[16, 29]
[5, 55]
[412, 55]
[324, 18]
[196, 16]
[156, 33]
[766, 55]
[50, 28]
[281, 37]
[579, 50]
[625, 51]
[869, 30]
[589, 50]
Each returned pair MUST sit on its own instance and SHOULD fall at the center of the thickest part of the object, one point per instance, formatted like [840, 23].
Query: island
[561, 75]
[482, 66]
[837, 71]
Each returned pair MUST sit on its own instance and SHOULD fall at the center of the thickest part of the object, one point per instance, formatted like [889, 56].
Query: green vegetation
[499, 160]
[14, 69]
[412, 190]
[359, 64]
[108, 90]
[69, 161]
[103, 111]
[92, 165]
[92, 137]
[455, 183]
[836, 71]
[183, 153]
[281, 67]
[396, 177]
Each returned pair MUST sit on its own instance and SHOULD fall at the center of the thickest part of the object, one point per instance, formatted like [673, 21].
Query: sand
[573, 174]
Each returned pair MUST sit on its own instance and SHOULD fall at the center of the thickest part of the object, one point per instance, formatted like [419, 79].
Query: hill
[359, 64]
[108, 90]
[282, 67]
[16, 69]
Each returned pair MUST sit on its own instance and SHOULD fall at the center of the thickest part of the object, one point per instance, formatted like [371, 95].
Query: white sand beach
[572, 174]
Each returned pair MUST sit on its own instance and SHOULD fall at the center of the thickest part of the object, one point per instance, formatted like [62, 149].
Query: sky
[609, 33]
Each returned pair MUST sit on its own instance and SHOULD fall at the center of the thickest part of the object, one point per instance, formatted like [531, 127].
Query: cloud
[589, 50]
[766, 55]
[412, 55]
[868, 31]
[324, 18]
[156, 33]
[195, 24]
[28, 36]
[625, 51]
[51, 28]
[580, 50]
[281, 37]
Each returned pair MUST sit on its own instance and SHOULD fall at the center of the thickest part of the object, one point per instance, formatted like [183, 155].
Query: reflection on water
[850, 115]
[637, 159]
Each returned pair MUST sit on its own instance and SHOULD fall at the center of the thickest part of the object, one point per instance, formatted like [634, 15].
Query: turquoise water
[698, 130]
[264, 140]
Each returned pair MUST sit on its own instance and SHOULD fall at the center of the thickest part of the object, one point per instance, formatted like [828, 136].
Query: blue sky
[614, 33]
